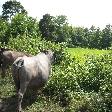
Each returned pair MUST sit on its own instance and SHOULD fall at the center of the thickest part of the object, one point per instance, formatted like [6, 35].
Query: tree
[23, 24]
[92, 38]
[78, 36]
[106, 37]
[4, 31]
[47, 26]
[62, 30]
[61, 20]
[55, 28]
[12, 7]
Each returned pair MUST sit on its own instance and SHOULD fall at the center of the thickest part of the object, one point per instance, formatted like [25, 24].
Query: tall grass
[81, 53]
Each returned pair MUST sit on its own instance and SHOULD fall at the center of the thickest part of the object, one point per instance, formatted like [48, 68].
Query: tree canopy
[12, 7]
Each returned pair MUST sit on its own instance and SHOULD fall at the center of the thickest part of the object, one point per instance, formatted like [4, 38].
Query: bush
[4, 31]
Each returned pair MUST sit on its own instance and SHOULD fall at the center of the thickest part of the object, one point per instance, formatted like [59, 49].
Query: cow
[7, 57]
[31, 72]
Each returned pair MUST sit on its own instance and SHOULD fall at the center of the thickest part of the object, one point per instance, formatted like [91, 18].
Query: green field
[80, 53]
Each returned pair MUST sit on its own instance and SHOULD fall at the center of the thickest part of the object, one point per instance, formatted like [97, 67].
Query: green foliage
[73, 86]
[80, 54]
[4, 31]
[106, 39]
[62, 29]
[55, 29]
[22, 24]
[95, 72]
[35, 45]
[12, 7]
[92, 38]
[77, 37]
[46, 26]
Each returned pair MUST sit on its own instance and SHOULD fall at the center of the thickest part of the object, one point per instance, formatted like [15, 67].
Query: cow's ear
[45, 51]
[2, 49]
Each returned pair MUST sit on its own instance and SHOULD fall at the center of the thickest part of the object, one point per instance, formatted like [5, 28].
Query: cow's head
[50, 54]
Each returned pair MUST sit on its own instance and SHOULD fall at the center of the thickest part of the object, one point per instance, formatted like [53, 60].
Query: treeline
[15, 22]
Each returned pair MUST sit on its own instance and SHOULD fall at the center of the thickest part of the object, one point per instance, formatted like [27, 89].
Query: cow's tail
[19, 62]
[17, 66]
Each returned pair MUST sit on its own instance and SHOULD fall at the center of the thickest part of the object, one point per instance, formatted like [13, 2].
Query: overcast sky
[79, 12]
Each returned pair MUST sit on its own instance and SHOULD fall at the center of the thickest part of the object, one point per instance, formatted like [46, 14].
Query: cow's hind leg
[3, 72]
[23, 87]
[16, 79]
[17, 83]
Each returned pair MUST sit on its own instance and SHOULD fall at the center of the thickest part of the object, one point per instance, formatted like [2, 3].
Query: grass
[31, 103]
[81, 53]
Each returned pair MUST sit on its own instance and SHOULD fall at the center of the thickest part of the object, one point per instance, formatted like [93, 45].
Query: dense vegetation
[73, 85]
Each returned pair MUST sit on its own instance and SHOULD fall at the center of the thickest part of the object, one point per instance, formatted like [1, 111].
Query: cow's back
[35, 70]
